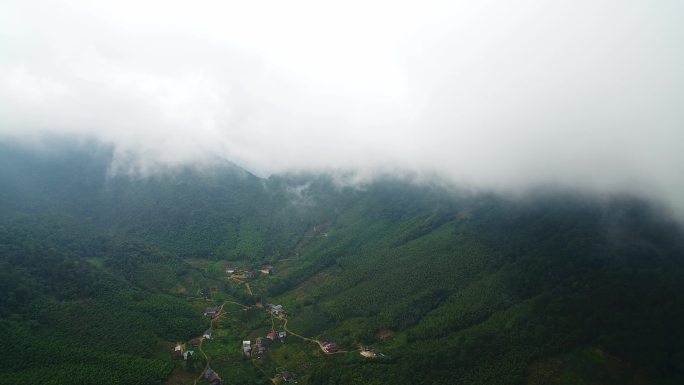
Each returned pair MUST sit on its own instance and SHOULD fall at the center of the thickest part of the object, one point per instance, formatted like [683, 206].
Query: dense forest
[456, 287]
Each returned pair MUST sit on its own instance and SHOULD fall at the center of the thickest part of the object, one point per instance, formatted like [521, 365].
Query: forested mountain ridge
[555, 287]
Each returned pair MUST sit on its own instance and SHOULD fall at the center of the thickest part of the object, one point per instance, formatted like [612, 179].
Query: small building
[211, 311]
[370, 353]
[266, 342]
[276, 310]
[177, 352]
[329, 346]
[272, 335]
[260, 347]
[195, 341]
[249, 274]
[231, 270]
[281, 336]
[267, 269]
[212, 377]
[287, 376]
[246, 346]
[188, 354]
[207, 334]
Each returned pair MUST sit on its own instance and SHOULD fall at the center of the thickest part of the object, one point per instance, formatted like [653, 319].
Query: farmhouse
[287, 376]
[207, 334]
[265, 342]
[370, 353]
[329, 346]
[272, 335]
[195, 341]
[177, 352]
[188, 354]
[212, 311]
[261, 347]
[276, 310]
[267, 269]
[231, 270]
[249, 274]
[212, 377]
[246, 346]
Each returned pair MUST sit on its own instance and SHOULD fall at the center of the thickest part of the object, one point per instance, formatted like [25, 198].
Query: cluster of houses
[212, 377]
[259, 348]
[276, 310]
[240, 273]
[179, 353]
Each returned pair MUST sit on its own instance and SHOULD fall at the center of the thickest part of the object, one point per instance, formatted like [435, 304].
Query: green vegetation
[100, 277]
[68, 321]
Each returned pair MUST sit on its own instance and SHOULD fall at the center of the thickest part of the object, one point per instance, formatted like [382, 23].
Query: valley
[341, 193]
[273, 359]
[100, 282]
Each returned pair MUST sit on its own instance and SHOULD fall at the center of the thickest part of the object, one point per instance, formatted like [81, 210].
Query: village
[255, 349]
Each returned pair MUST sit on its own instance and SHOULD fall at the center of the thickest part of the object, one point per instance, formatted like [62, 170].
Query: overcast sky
[492, 93]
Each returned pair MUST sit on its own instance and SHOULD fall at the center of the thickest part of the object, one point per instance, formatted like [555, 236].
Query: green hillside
[101, 275]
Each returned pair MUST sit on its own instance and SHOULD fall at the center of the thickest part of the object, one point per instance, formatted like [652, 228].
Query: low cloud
[491, 93]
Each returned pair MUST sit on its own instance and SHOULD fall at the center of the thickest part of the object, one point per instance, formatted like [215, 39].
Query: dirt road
[317, 342]
[211, 329]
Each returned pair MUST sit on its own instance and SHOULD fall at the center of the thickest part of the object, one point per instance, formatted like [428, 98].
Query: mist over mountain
[488, 94]
[555, 286]
[474, 192]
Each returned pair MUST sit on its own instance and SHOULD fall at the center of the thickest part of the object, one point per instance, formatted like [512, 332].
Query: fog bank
[491, 94]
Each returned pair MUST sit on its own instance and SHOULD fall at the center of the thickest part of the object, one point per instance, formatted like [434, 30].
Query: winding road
[211, 329]
[319, 343]
[221, 313]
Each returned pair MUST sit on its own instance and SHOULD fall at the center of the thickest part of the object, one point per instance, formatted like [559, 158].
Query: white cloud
[490, 93]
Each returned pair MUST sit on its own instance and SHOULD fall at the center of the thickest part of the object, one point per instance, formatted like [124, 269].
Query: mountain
[102, 274]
